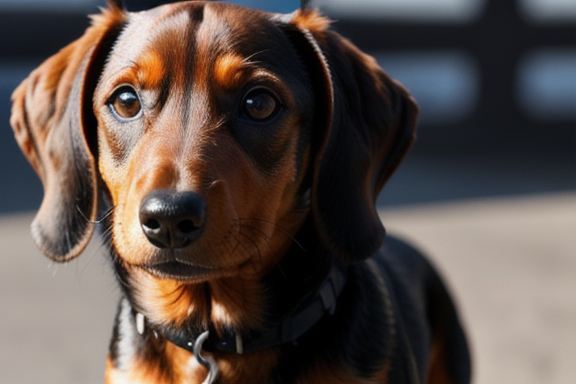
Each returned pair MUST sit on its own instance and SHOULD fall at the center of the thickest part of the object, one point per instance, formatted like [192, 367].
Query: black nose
[172, 219]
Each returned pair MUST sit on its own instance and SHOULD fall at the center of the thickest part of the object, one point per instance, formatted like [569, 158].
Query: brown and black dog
[232, 159]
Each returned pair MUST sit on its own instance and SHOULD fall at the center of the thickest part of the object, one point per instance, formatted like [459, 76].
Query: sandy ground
[510, 262]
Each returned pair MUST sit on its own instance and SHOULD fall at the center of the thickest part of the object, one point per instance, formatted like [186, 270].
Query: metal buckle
[207, 361]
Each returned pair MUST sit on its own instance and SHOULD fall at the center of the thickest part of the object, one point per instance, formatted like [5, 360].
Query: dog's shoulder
[404, 263]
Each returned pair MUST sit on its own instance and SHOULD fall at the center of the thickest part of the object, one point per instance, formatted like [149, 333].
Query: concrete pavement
[512, 266]
[511, 263]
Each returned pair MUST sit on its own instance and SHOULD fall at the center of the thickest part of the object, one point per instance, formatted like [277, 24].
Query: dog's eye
[125, 102]
[260, 105]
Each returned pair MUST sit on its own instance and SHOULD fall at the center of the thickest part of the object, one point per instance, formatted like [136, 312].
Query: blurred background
[489, 189]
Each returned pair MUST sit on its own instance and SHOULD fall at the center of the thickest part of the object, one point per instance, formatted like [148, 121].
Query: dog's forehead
[167, 39]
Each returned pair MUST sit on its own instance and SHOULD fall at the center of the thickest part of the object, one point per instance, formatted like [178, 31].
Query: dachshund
[230, 159]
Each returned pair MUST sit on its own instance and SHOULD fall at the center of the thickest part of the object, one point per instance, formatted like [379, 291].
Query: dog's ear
[366, 125]
[54, 125]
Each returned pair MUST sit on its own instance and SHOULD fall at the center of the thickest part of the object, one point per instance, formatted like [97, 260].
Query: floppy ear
[52, 118]
[366, 125]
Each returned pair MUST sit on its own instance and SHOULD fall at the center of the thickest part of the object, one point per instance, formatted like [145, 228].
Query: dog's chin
[186, 273]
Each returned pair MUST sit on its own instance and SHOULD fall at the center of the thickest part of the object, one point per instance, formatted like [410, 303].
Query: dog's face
[213, 101]
[212, 132]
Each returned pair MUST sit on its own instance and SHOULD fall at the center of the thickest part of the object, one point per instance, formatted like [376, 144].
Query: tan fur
[311, 20]
[152, 69]
[228, 71]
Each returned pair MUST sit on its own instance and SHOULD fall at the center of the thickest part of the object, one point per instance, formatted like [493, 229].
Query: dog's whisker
[233, 251]
[255, 245]
[284, 231]
[248, 60]
[233, 247]
[263, 235]
[241, 244]
[108, 213]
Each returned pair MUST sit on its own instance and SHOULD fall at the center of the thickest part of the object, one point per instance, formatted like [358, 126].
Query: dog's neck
[300, 290]
[288, 327]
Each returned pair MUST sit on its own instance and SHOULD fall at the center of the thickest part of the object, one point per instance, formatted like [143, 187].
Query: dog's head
[212, 131]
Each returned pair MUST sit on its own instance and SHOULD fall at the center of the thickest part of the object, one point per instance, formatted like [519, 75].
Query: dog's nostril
[186, 226]
[152, 224]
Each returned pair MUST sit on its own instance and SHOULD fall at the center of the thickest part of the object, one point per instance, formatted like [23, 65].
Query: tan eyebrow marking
[151, 69]
[230, 71]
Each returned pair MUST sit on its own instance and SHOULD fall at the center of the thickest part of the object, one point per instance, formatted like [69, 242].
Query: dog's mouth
[176, 270]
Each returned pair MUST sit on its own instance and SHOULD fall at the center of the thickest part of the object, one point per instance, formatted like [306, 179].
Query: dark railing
[498, 41]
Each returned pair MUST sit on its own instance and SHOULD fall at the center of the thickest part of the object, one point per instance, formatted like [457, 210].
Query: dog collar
[308, 313]
[302, 319]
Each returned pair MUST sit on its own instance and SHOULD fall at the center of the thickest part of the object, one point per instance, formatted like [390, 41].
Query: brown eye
[260, 105]
[125, 103]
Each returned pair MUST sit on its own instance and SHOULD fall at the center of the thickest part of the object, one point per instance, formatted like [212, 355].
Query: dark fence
[498, 41]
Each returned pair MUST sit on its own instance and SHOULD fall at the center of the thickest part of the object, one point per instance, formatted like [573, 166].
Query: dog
[231, 160]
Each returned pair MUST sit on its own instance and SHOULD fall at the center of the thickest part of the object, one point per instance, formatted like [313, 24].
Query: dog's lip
[180, 271]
